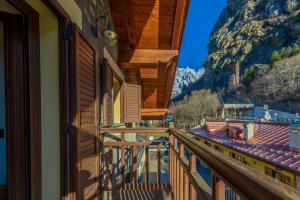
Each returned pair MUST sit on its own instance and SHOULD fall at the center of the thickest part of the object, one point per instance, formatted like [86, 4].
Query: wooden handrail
[133, 130]
[243, 179]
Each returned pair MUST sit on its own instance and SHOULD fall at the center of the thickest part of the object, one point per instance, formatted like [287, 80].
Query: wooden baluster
[186, 187]
[193, 194]
[101, 164]
[158, 164]
[181, 187]
[134, 165]
[218, 188]
[171, 163]
[192, 164]
[146, 162]
[177, 173]
[110, 167]
[123, 159]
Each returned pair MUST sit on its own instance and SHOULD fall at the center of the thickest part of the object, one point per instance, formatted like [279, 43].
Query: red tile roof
[270, 142]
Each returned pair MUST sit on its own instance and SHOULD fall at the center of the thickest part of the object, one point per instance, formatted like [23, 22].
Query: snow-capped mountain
[184, 77]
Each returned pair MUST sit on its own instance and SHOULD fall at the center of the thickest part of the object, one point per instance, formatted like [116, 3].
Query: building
[270, 147]
[233, 111]
[74, 73]
[254, 112]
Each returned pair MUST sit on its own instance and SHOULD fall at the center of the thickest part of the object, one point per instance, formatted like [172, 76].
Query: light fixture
[110, 36]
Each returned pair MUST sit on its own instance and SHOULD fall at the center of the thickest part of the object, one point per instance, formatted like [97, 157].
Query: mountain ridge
[243, 45]
[184, 77]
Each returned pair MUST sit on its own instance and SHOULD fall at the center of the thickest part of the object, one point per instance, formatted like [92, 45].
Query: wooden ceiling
[150, 34]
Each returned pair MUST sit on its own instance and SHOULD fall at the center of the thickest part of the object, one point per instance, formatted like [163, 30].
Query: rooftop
[270, 142]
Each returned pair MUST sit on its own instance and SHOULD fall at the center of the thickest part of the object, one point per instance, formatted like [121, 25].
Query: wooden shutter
[107, 97]
[131, 103]
[84, 64]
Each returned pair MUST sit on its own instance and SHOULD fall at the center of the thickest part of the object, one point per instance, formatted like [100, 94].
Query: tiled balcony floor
[136, 195]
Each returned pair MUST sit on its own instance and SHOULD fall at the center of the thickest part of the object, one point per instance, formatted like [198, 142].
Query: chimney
[249, 131]
[294, 137]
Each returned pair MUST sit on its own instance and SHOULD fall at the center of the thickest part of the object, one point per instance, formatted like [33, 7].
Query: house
[270, 147]
[71, 72]
[70, 67]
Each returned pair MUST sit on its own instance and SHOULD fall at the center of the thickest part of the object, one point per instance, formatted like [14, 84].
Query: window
[283, 178]
[233, 155]
[279, 176]
[243, 160]
[207, 143]
[218, 148]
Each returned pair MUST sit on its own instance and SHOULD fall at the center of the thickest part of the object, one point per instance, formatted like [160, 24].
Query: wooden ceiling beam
[154, 112]
[128, 18]
[137, 65]
[139, 82]
[139, 57]
[170, 80]
[179, 23]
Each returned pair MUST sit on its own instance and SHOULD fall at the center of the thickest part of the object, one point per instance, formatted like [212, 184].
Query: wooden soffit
[149, 24]
[150, 34]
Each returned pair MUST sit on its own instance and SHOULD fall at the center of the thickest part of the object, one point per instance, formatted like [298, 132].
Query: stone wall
[91, 9]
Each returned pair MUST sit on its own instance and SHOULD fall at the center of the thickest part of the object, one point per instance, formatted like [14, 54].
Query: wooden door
[14, 137]
[84, 66]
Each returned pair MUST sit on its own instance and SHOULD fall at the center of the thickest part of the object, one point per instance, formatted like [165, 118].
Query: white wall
[50, 116]
[2, 109]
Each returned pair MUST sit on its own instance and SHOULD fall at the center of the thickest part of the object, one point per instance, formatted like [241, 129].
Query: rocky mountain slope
[184, 78]
[248, 38]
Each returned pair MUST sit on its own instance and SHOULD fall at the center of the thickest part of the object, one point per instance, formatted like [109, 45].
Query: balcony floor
[136, 195]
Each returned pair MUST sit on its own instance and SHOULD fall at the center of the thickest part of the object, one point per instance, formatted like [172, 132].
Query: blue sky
[202, 16]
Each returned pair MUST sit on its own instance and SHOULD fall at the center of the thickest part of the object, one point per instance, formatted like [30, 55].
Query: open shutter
[107, 97]
[84, 64]
[131, 103]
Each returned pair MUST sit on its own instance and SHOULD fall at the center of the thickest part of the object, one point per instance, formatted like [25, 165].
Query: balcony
[140, 163]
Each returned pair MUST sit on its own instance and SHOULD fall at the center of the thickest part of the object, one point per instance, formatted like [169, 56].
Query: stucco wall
[90, 11]
[73, 11]
[117, 100]
[256, 163]
[50, 116]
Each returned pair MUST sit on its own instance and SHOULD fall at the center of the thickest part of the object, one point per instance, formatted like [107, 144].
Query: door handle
[1, 133]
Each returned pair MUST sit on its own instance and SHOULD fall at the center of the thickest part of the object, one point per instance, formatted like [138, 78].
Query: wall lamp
[110, 37]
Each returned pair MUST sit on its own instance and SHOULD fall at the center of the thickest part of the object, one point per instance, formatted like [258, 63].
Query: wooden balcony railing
[122, 156]
[183, 167]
